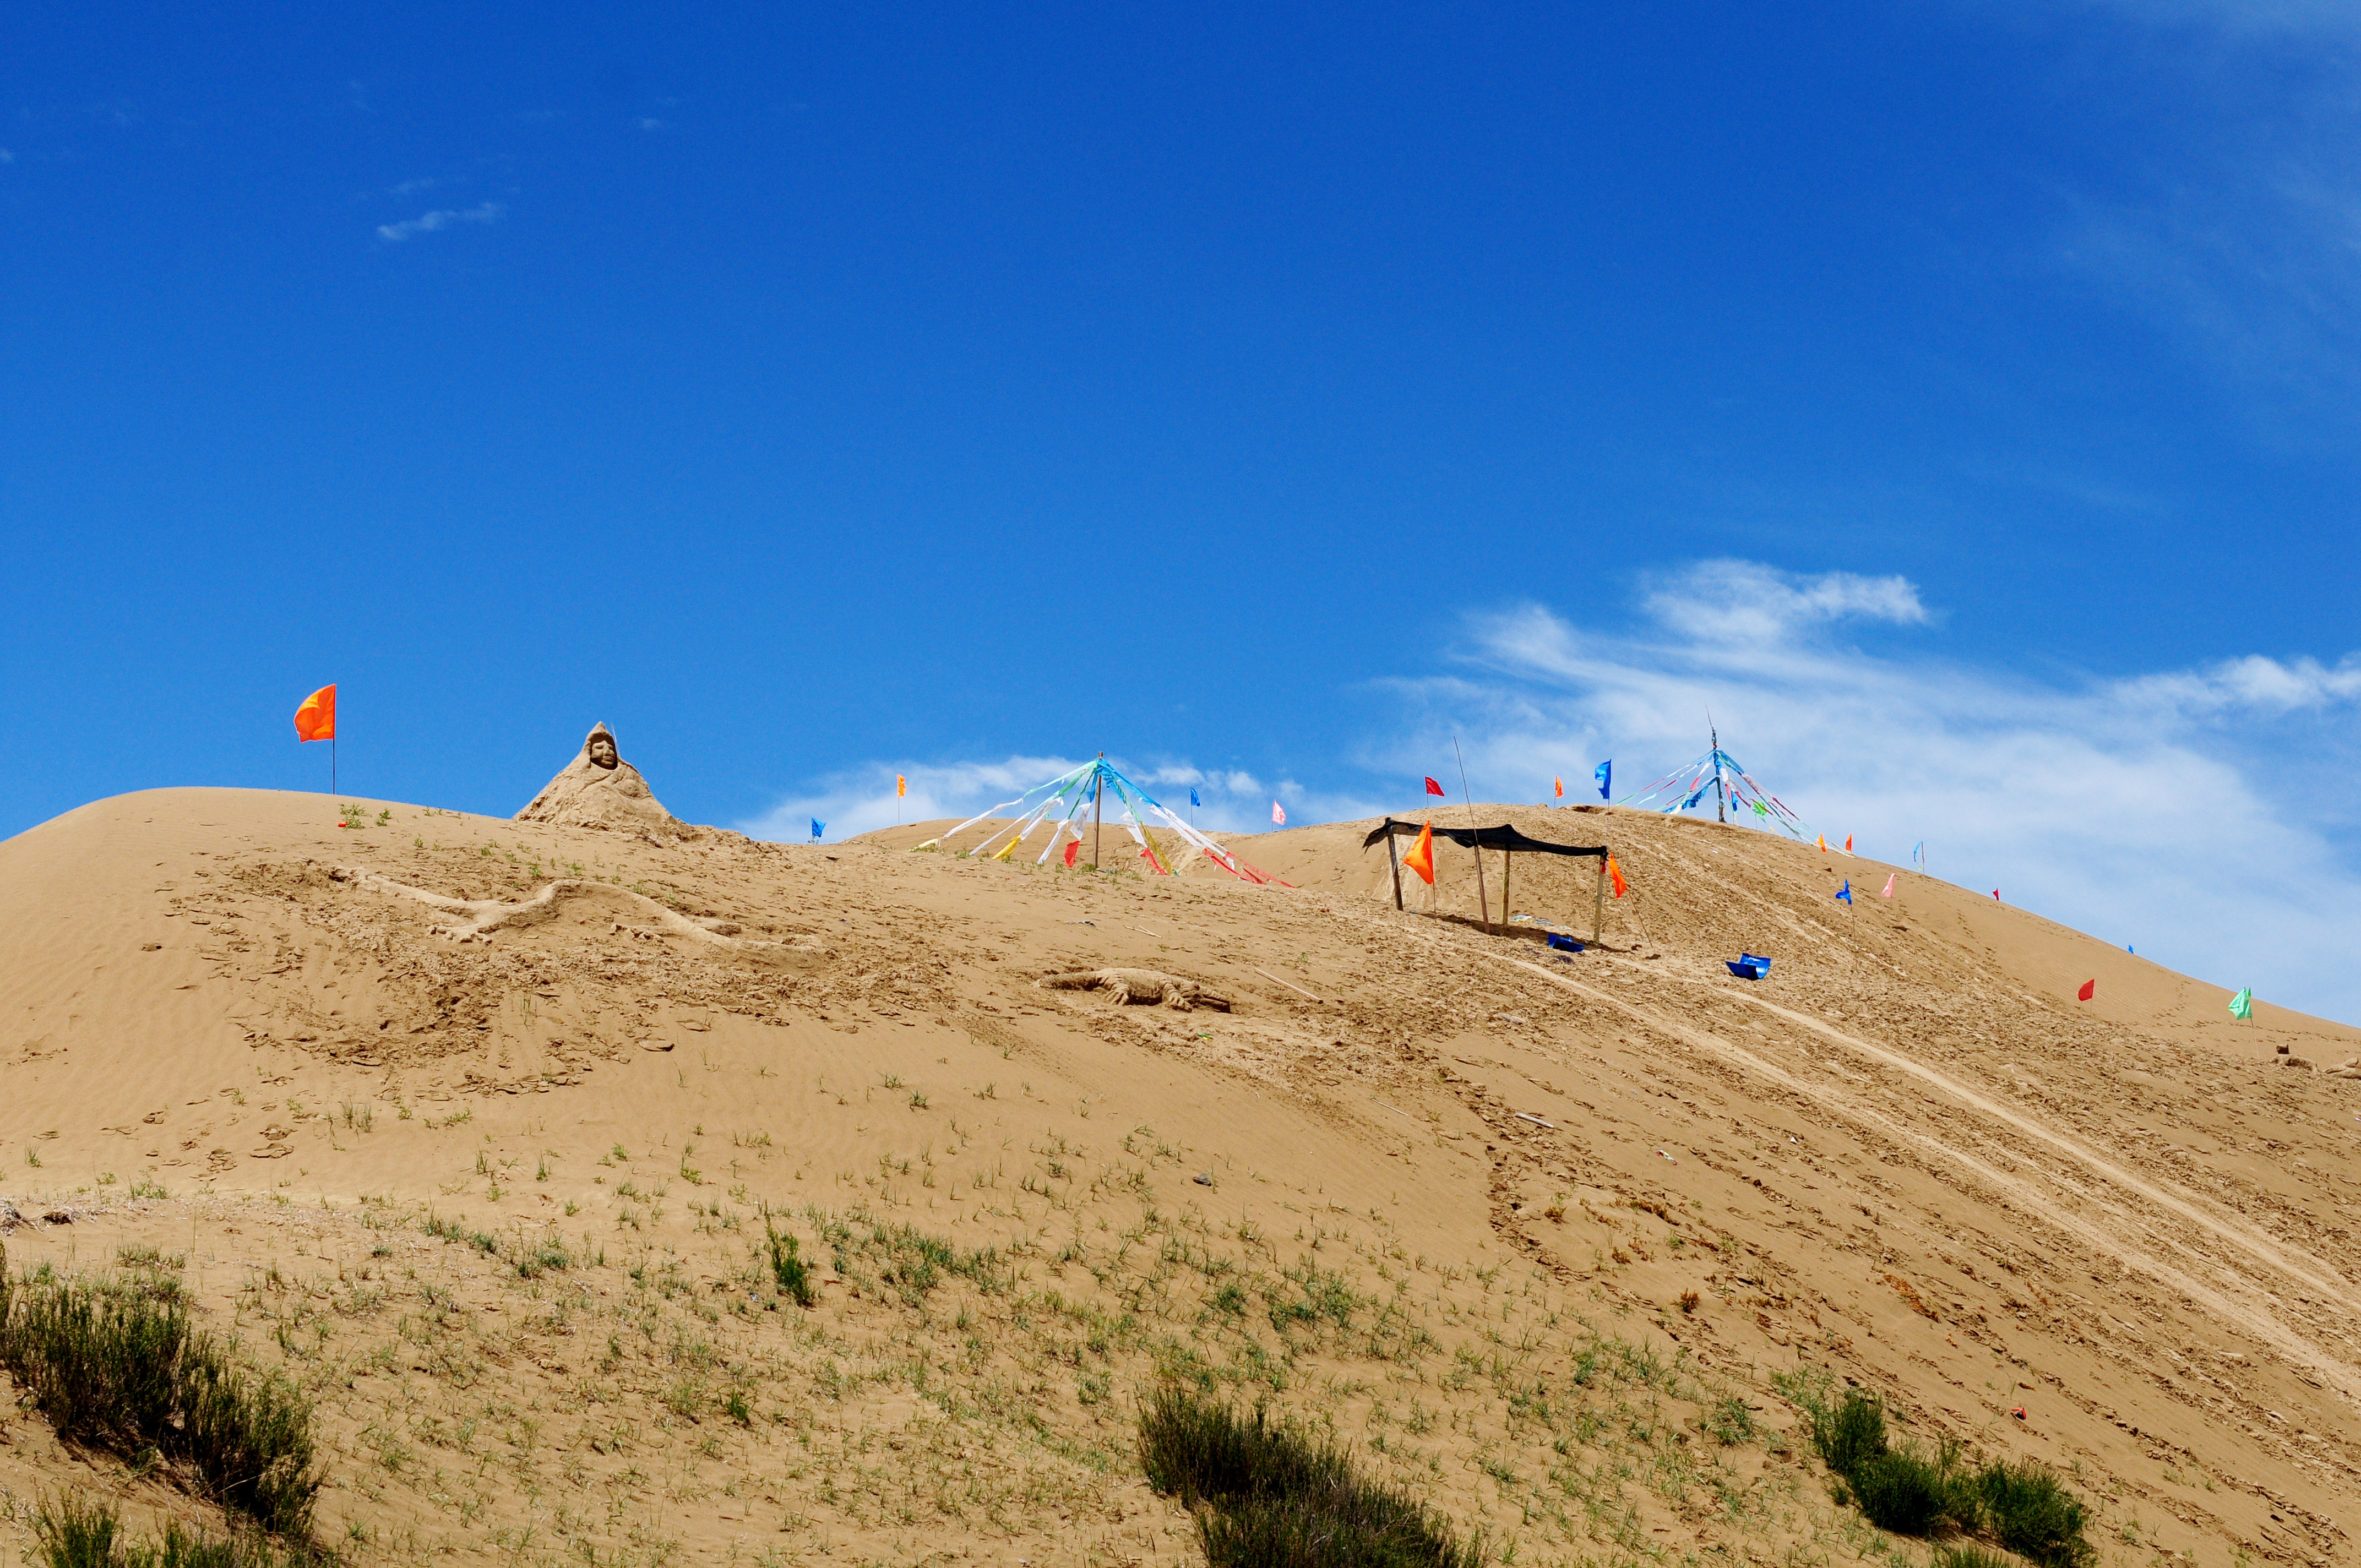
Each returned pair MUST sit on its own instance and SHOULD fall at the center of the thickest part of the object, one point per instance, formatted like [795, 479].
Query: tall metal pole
[1098, 786]
[1475, 838]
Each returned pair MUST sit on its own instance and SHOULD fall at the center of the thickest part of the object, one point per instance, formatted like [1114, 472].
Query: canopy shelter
[1059, 802]
[1506, 838]
[1733, 789]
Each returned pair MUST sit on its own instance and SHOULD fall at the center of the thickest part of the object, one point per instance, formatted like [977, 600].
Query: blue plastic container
[1749, 966]
[1564, 944]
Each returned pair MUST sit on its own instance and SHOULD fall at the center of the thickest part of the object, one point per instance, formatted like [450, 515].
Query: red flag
[1995, 895]
[1848, 843]
[1615, 875]
[316, 720]
[1071, 850]
[1421, 858]
[2090, 989]
[1434, 788]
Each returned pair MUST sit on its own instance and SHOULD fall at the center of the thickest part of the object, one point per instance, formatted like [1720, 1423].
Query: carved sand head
[600, 749]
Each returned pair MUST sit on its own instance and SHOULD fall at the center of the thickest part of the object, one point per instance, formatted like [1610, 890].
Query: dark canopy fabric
[1504, 837]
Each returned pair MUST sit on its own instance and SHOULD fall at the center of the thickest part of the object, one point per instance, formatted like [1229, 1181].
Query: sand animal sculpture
[599, 789]
[1134, 987]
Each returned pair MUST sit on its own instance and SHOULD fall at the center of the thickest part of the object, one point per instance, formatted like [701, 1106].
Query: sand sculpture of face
[601, 749]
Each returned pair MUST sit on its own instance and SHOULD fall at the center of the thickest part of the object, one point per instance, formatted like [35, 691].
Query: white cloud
[2176, 812]
[430, 222]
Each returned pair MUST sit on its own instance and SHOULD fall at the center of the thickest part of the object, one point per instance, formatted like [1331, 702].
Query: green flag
[2242, 1005]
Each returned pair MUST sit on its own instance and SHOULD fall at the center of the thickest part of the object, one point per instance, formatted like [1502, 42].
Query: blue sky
[1958, 398]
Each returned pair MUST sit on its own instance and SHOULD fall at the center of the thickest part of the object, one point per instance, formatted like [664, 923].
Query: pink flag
[1277, 815]
[1889, 884]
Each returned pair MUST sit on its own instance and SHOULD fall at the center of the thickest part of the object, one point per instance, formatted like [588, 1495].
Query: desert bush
[1267, 1495]
[1906, 1494]
[2027, 1510]
[1967, 1554]
[71, 1533]
[124, 1371]
[787, 1270]
[2023, 1507]
[1851, 1434]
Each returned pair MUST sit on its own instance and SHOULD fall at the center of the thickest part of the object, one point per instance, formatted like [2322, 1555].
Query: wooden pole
[1507, 869]
[1098, 787]
[1475, 838]
[1598, 901]
[332, 764]
[1391, 860]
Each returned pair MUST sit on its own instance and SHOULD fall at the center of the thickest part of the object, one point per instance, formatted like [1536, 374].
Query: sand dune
[1442, 1187]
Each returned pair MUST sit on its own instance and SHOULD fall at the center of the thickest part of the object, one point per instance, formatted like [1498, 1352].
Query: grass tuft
[1270, 1497]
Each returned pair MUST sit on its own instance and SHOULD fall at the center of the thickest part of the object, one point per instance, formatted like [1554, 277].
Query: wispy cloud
[432, 223]
[2177, 811]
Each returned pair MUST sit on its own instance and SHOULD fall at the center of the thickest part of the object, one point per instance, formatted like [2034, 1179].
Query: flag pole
[1721, 788]
[1475, 837]
[332, 764]
[1098, 787]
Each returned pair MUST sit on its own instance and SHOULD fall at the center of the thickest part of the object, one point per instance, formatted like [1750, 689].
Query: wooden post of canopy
[1508, 868]
[1598, 901]
[1098, 785]
[1393, 862]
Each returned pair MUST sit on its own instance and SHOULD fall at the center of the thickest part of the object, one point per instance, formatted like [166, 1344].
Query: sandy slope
[1456, 1185]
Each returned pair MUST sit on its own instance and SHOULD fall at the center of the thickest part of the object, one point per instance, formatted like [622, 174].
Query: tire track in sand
[2255, 1320]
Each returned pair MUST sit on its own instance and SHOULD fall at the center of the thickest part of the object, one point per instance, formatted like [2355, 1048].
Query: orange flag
[316, 720]
[1561, 786]
[1615, 875]
[901, 786]
[1848, 843]
[1823, 843]
[1421, 858]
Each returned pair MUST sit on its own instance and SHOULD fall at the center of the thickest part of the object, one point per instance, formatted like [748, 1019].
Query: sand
[1442, 1190]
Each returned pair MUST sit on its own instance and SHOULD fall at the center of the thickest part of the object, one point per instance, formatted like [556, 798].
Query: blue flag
[1845, 892]
[1193, 797]
[1604, 773]
[819, 830]
[1918, 853]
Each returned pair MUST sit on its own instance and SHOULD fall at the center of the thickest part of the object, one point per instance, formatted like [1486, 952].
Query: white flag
[1278, 814]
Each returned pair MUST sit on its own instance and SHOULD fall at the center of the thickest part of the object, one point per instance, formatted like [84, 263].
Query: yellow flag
[901, 786]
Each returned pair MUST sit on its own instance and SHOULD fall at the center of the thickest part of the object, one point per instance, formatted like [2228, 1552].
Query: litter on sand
[1749, 966]
[1529, 1116]
[1563, 944]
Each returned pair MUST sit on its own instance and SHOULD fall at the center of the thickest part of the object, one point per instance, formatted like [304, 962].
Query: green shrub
[1851, 1435]
[76, 1534]
[789, 1271]
[1904, 1494]
[2022, 1507]
[1970, 1555]
[2026, 1510]
[122, 1371]
[1268, 1496]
